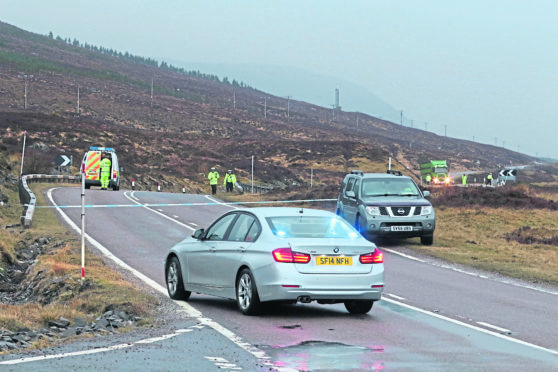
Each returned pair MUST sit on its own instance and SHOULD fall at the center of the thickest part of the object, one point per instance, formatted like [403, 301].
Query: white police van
[91, 167]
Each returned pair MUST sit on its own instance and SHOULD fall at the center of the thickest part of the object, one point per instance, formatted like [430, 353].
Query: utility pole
[26, 79]
[401, 117]
[234, 99]
[265, 106]
[289, 106]
[357, 115]
[311, 176]
[151, 92]
[445, 130]
[78, 100]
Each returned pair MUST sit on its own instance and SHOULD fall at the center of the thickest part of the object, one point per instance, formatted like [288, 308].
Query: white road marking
[403, 255]
[159, 213]
[175, 216]
[395, 296]
[219, 202]
[470, 326]
[448, 267]
[186, 308]
[222, 363]
[95, 351]
[488, 325]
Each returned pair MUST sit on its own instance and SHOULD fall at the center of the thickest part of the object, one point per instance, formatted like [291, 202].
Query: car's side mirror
[350, 194]
[426, 193]
[198, 234]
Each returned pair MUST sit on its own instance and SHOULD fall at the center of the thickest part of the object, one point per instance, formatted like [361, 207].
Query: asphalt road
[433, 316]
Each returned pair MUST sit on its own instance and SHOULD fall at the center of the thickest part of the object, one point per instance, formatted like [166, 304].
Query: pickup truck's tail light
[287, 255]
[372, 258]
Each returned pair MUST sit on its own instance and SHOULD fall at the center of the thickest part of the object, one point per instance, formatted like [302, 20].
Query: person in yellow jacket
[105, 173]
[230, 180]
[213, 177]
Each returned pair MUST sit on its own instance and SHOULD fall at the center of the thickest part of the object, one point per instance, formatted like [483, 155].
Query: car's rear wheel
[359, 306]
[427, 240]
[175, 285]
[87, 186]
[247, 294]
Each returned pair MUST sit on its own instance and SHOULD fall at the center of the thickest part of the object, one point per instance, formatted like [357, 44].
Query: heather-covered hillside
[172, 125]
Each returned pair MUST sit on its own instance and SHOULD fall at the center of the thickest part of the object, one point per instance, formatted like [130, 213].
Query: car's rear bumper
[338, 287]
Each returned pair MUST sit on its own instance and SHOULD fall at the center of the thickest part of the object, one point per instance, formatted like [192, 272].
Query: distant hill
[302, 85]
[170, 124]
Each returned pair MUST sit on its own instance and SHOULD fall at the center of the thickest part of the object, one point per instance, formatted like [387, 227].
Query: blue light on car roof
[95, 148]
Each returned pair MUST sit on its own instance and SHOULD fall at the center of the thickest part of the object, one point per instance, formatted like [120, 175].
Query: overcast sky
[483, 70]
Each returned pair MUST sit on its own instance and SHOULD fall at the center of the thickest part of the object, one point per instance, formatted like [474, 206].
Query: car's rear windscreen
[311, 227]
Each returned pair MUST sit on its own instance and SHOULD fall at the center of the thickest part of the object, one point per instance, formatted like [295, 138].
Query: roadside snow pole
[183, 189]
[389, 166]
[159, 187]
[22, 154]
[133, 184]
[83, 226]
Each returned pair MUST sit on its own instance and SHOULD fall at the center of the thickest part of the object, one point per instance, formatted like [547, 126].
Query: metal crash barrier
[27, 198]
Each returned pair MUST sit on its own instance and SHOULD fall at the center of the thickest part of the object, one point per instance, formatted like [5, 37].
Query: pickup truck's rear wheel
[360, 224]
[427, 240]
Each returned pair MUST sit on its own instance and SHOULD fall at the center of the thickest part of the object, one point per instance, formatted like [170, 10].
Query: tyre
[427, 240]
[360, 225]
[175, 285]
[247, 297]
[359, 306]
[115, 188]
[87, 186]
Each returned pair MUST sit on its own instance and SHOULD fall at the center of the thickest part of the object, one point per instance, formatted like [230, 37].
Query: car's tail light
[286, 255]
[372, 258]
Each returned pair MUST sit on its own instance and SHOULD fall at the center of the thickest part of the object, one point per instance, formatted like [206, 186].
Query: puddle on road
[326, 356]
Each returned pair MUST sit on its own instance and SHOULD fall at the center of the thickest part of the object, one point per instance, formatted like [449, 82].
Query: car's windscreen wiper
[386, 194]
[408, 194]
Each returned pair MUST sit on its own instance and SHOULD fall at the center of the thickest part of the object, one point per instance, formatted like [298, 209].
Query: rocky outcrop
[108, 323]
[20, 284]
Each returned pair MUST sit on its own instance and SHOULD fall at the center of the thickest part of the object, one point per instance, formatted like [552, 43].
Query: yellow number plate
[333, 260]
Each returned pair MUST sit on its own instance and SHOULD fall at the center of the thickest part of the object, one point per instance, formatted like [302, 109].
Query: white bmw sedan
[260, 255]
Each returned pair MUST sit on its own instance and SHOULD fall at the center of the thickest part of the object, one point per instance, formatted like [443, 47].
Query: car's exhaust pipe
[304, 299]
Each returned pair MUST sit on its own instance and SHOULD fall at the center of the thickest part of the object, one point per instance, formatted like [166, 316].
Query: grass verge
[480, 237]
[62, 262]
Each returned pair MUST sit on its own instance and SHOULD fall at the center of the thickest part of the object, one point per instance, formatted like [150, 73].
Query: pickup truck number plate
[402, 228]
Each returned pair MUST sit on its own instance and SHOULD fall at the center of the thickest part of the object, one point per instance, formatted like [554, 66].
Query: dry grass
[102, 287]
[478, 237]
